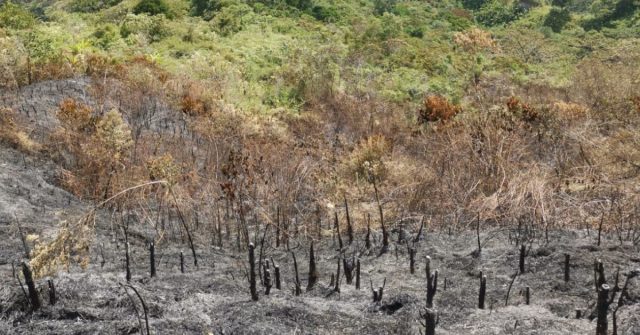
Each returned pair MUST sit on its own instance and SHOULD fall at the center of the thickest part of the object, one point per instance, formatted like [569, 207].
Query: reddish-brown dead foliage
[636, 102]
[522, 110]
[437, 108]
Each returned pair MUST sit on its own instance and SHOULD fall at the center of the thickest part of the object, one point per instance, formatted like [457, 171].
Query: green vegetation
[268, 50]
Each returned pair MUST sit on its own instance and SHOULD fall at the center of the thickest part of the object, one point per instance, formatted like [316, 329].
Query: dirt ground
[214, 298]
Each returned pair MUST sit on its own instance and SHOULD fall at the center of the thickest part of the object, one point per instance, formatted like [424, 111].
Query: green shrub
[383, 6]
[300, 4]
[231, 19]
[474, 4]
[154, 28]
[106, 36]
[328, 14]
[91, 6]
[205, 8]
[557, 19]
[15, 16]
[153, 7]
[605, 12]
[497, 12]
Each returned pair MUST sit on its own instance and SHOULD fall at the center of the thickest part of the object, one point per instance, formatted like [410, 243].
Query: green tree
[557, 19]
[153, 7]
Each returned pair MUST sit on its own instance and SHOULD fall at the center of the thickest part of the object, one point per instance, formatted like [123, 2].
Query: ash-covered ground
[214, 298]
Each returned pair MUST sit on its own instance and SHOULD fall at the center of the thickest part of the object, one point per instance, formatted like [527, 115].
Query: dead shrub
[367, 159]
[569, 110]
[522, 110]
[13, 135]
[437, 108]
[474, 40]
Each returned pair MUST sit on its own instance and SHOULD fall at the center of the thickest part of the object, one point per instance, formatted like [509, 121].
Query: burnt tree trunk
[313, 271]
[33, 293]
[252, 273]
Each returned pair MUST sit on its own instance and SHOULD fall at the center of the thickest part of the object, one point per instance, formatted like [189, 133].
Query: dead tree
[527, 295]
[31, 286]
[313, 271]
[385, 234]
[358, 274]
[367, 238]
[252, 272]
[483, 291]
[377, 293]
[298, 290]
[127, 261]
[336, 288]
[523, 250]
[417, 238]
[337, 228]
[349, 226]
[25, 245]
[602, 309]
[152, 259]
[621, 300]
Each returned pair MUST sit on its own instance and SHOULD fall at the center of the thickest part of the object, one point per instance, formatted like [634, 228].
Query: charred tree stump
[102, 261]
[181, 262]
[336, 288]
[523, 250]
[478, 234]
[602, 309]
[313, 271]
[367, 239]
[432, 283]
[430, 317]
[152, 259]
[599, 274]
[276, 271]
[349, 226]
[52, 292]
[31, 286]
[567, 267]
[348, 270]
[527, 295]
[358, 274]
[252, 272]
[412, 260]
[277, 226]
[377, 293]
[483, 291]
[267, 281]
[127, 261]
[298, 290]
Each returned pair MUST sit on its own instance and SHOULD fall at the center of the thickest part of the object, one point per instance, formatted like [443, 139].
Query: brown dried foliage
[437, 108]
